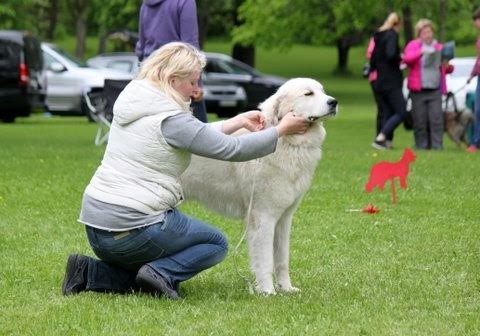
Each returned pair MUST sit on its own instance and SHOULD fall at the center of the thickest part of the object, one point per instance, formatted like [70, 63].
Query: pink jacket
[412, 56]
[371, 45]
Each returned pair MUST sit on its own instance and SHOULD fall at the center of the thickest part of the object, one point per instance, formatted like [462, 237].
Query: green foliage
[412, 269]
[114, 15]
[20, 14]
[282, 23]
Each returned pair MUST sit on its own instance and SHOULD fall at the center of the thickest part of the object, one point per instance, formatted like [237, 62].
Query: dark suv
[23, 83]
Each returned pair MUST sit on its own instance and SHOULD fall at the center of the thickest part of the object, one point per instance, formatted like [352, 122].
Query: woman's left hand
[253, 120]
[197, 94]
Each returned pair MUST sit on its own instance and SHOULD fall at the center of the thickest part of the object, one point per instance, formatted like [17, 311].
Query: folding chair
[100, 106]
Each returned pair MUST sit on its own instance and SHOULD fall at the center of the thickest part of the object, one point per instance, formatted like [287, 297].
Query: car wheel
[8, 118]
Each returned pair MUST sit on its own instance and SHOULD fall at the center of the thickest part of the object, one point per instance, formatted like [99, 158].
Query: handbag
[408, 121]
[366, 70]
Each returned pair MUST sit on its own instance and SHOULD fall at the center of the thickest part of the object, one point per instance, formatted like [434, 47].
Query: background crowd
[427, 63]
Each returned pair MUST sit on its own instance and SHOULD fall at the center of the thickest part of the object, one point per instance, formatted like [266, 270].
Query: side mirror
[56, 67]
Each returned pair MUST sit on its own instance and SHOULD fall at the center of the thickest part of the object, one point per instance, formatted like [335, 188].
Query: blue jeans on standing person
[200, 110]
[476, 124]
[178, 248]
[394, 109]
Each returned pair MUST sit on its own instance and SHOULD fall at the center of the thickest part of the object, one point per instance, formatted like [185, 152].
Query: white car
[457, 81]
[457, 86]
[68, 79]
[222, 96]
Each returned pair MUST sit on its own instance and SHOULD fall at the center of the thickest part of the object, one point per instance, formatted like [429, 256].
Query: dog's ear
[274, 108]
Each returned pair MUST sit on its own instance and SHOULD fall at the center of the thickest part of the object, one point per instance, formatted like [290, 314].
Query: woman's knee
[222, 241]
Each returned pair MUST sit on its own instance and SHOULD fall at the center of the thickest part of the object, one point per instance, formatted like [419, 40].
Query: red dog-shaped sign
[383, 171]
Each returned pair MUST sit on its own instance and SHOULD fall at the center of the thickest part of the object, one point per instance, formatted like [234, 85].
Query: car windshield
[70, 58]
[224, 66]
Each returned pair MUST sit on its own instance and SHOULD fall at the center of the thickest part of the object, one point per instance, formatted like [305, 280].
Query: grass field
[412, 269]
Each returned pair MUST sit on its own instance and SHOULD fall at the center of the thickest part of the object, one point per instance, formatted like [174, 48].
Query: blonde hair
[422, 23]
[175, 59]
[391, 21]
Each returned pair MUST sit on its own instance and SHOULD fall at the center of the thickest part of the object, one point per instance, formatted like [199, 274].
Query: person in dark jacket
[164, 21]
[386, 61]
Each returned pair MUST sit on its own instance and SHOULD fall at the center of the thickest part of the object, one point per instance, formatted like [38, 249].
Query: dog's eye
[309, 93]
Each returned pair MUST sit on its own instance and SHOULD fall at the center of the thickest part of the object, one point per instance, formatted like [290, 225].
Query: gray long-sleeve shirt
[181, 131]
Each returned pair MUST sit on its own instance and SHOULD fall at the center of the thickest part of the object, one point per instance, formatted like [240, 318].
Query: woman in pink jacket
[426, 82]
[372, 77]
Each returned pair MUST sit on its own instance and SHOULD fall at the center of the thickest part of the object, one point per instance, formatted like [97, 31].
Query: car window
[122, 65]
[9, 55]
[224, 66]
[69, 58]
[48, 60]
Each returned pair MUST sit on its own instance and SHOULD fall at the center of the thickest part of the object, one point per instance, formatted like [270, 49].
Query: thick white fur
[279, 181]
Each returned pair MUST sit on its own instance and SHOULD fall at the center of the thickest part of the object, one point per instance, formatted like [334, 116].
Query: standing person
[164, 21]
[372, 77]
[129, 207]
[427, 84]
[475, 146]
[386, 61]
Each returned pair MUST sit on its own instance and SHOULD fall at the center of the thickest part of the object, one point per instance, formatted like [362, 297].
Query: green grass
[412, 269]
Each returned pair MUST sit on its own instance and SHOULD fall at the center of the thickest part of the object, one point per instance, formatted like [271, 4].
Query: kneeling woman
[129, 207]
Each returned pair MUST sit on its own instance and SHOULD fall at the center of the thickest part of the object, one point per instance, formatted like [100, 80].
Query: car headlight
[240, 92]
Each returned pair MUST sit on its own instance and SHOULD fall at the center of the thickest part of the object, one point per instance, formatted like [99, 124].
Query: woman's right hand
[291, 124]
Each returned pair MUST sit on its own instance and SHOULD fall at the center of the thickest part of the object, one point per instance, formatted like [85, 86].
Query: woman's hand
[197, 94]
[252, 120]
[291, 124]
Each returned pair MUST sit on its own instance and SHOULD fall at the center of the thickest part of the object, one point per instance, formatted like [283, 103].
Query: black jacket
[386, 60]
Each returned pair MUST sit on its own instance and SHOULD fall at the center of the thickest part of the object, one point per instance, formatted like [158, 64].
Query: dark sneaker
[150, 281]
[381, 145]
[75, 279]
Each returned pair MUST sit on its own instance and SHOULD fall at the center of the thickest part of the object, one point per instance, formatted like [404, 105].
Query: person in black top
[386, 61]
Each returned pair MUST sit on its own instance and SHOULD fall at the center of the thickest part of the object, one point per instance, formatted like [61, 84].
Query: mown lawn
[412, 269]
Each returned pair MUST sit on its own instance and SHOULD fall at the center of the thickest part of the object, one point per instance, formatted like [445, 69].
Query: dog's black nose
[332, 103]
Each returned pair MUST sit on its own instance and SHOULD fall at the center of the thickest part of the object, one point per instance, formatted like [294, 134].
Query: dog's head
[304, 97]
[408, 155]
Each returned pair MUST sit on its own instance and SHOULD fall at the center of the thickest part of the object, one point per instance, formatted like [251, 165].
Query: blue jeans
[178, 248]
[476, 124]
[394, 109]
[200, 110]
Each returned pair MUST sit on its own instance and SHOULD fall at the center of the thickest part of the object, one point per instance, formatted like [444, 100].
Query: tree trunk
[102, 43]
[407, 24]
[78, 10]
[244, 54]
[343, 47]
[203, 14]
[52, 19]
[441, 23]
[81, 28]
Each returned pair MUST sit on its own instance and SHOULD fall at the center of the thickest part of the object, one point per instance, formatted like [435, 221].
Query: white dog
[266, 192]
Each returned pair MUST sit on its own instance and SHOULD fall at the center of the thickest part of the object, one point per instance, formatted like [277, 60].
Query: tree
[345, 23]
[78, 10]
[124, 19]
[281, 23]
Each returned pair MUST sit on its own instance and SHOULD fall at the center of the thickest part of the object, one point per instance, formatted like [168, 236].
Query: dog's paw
[265, 290]
[289, 289]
